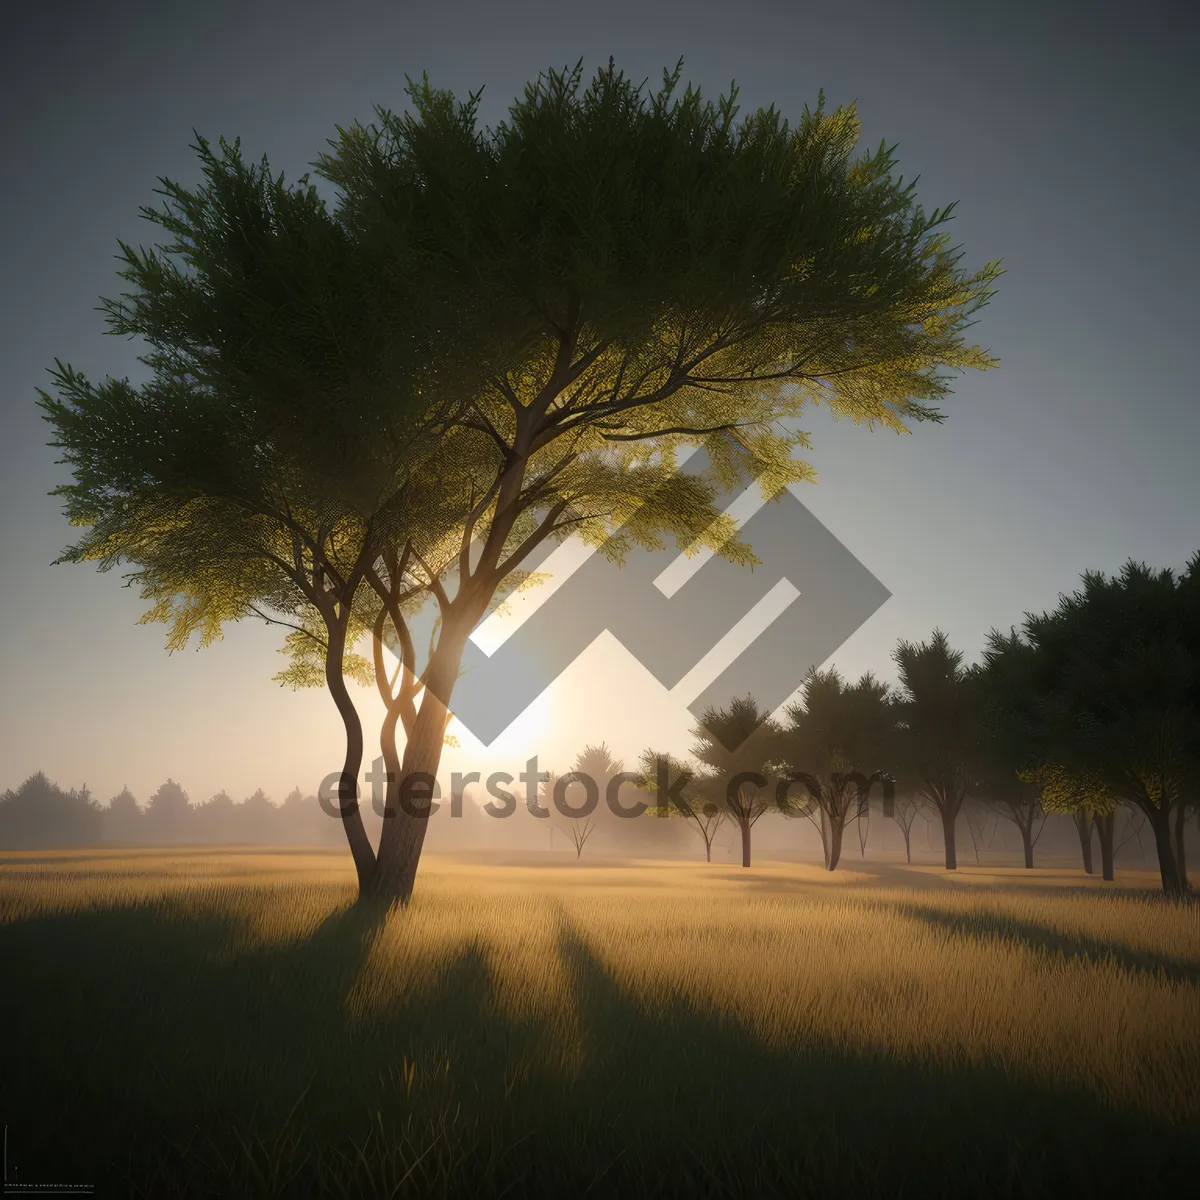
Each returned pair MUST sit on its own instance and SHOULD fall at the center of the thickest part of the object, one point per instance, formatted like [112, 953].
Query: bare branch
[308, 633]
[639, 437]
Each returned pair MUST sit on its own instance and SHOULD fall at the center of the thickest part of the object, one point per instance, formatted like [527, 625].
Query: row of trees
[1081, 710]
[39, 813]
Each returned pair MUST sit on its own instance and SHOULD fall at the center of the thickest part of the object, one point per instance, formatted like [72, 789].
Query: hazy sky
[1066, 132]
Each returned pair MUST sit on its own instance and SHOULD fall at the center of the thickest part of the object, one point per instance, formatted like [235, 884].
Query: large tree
[1109, 678]
[551, 310]
[122, 818]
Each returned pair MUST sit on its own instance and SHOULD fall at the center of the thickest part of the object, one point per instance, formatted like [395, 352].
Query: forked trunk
[405, 823]
[1083, 827]
[1105, 830]
[406, 816]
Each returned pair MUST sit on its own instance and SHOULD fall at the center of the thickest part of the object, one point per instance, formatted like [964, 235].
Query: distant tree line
[39, 814]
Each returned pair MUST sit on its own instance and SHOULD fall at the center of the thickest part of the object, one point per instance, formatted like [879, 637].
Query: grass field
[223, 1023]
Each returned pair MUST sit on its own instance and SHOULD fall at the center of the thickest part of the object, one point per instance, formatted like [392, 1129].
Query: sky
[1065, 133]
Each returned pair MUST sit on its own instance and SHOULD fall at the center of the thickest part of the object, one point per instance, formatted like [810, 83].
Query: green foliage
[837, 728]
[603, 266]
[267, 450]
[1061, 791]
[1106, 681]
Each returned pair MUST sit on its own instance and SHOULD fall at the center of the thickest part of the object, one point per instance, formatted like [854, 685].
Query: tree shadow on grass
[154, 1016]
[1075, 947]
[685, 1088]
[140, 1050]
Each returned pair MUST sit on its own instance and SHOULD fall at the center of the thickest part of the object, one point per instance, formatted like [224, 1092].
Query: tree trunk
[1105, 829]
[1168, 866]
[405, 824]
[1083, 827]
[708, 852]
[1180, 849]
[745, 826]
[974, 840]
[1027, 843]
[907, 847]
[948, 818]
[352, 823]
[836, 830]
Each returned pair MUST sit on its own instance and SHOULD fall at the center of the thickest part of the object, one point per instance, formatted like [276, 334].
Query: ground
[223, 1022]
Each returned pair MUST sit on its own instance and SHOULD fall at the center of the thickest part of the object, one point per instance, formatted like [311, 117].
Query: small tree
[701, 803]
[258, 816]
[905, 811]
[1005, 784]
[837, 741]
[578, 823]
[579, 829]
[301, 819]
[216, 819]
[1019, 801]
[737, 745]
[169, 814]
[937, 736]
[123, 818]
[598, 764]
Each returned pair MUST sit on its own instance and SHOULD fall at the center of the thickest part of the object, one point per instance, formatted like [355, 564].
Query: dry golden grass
[1027, 978]
[1098, 987]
